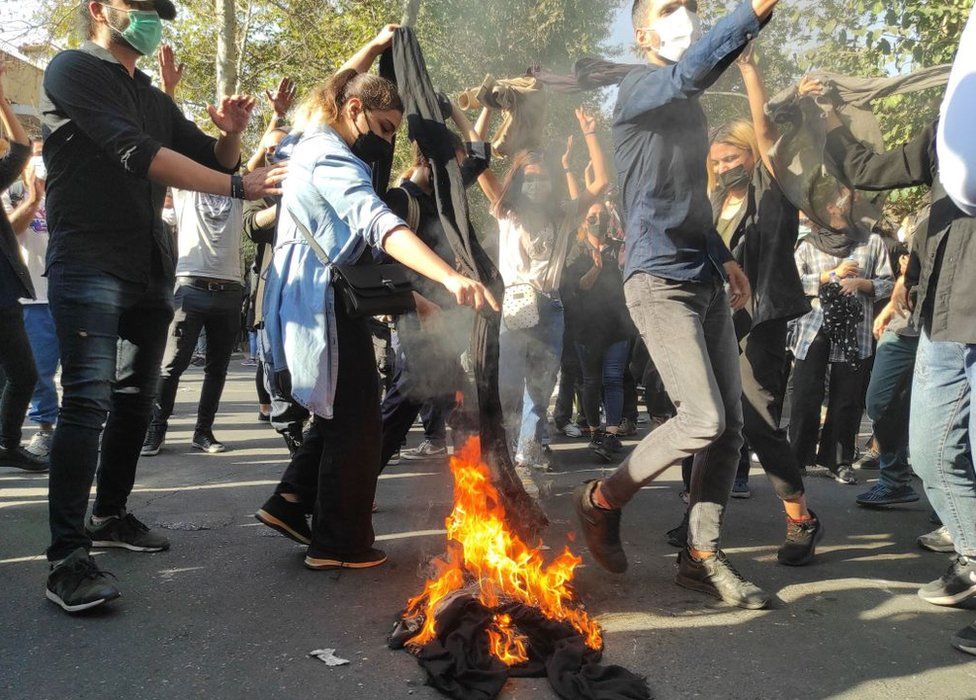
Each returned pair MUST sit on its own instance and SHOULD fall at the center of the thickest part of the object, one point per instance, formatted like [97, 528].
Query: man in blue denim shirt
[675, 273]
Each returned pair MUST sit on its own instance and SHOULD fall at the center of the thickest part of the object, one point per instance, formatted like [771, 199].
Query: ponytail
[326, 101]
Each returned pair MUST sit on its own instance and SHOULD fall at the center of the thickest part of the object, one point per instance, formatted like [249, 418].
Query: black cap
[165, 9]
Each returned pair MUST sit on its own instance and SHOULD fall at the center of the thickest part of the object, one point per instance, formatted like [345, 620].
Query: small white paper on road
[328, 656]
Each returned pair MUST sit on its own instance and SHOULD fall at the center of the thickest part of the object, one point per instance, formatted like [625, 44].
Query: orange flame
[503, 566]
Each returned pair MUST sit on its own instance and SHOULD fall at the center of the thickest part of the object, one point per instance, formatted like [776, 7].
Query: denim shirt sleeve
[697, 70]
[344, 181]
[717, 250]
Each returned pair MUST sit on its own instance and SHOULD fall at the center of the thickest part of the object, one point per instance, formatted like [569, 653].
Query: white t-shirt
[533, 257]
[33, 245]
[209, 229]
[956, 138]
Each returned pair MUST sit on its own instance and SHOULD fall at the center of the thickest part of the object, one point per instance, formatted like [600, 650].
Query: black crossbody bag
[366, 290]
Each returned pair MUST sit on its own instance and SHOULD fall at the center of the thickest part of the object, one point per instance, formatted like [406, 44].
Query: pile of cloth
[460, 665]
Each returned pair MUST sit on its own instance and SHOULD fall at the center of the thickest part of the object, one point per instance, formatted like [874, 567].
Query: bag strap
[413, 211]
[314, 244]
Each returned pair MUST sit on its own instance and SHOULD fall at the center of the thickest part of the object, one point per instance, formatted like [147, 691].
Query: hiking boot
[601, 529]
[206, 442]
[870, 460]
[627, 428]
[77, 584]
[717, 577]
[155, 439]
[428, 449]
[881, 495]
[321, 561]
[678, 537]
[125, 532]
[957, 584]
[287, 518]
[965, 639]
[740, 489]
[612, 442]
[800, 546]
[19, 458]
[937, 541]
[40, 444]
[844, 475]
[600, 448]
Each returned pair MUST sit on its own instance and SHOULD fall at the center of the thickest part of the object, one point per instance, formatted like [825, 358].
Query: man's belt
[209, 285]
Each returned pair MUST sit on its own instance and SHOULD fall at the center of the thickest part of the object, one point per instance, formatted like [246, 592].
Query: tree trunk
[410, 9]
[227, 48]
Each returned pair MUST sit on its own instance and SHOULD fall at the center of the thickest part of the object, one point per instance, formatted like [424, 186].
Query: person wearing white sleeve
[956, 140]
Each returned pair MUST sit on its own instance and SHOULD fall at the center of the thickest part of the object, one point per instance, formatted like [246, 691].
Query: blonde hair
[738, 134]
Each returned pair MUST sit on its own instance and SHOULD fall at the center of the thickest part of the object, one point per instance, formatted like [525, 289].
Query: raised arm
[766, 132]
[22, 215]
[12, 164]
[363, 60]
[597, 187]
[571, 183]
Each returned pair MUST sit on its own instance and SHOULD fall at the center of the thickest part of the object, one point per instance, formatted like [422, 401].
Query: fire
[496, 563]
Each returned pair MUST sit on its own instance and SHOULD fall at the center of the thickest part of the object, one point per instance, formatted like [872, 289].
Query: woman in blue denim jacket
[329, 356]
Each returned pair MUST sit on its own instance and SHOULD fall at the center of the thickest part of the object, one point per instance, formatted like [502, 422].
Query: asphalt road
[230, 612]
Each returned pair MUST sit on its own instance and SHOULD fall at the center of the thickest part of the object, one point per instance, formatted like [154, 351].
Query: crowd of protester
[692, 280]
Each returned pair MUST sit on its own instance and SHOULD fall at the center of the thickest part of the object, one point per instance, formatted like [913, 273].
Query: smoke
[433, 350]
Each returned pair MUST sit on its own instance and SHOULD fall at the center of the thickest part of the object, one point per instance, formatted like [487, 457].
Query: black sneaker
[155, 439]
[800, 546]
[125, 532]
[965, 639]
[600, 448]
[321, 561]
[717, 577]
[77, 584]
[678, 537]
[612, 442]
[957, 584]
[19, 458]
[601, 530]
[264, 417]
[206, 442]
[287, 518]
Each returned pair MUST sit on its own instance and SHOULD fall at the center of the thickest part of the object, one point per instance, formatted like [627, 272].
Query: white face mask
[678, 31]
[40, 170]
[537, 190]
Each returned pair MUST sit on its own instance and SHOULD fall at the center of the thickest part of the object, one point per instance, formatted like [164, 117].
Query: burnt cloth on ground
[404, 64]
[459, 664]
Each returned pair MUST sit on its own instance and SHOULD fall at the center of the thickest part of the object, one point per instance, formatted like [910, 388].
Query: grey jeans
[687, 327]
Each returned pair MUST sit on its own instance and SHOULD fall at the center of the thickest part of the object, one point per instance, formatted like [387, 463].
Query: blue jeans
[887, 403]
[252, 344]
[603, 379]
[44, 345]
[941, 434]
[112, 334]
[527, 368]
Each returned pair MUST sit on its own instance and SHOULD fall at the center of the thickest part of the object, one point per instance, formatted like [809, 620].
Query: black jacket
[11, 166]
[763, 244]
[943, 265]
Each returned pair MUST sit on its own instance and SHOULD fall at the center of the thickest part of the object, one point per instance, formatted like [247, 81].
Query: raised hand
[810, 86]
[384, 38]
[283, 97]
[170, 73]
[586, 121]
[233, 114]
[568, 153]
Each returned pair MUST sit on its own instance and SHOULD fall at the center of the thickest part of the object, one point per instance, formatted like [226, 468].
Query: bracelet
[237, 187]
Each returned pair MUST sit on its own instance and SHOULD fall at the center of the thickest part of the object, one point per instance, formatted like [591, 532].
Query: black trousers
[844, 406]
[264, 398]
[335, 470]
[761, 365]
[570, 394]
[20, 374]
[219, 312]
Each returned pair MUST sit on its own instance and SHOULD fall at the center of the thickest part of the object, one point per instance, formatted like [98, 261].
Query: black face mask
[735, 178]
[370, 147]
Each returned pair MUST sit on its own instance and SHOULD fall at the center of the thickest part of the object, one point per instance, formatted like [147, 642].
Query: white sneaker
[40, 444]
[426, 450]
[572, 430]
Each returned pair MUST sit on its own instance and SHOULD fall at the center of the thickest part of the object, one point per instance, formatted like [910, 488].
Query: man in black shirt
[112, 144]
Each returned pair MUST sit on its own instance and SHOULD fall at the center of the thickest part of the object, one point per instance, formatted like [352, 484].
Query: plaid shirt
[872, 259]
